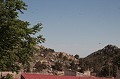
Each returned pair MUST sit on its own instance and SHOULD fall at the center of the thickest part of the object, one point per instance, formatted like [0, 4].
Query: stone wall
[118, 74]
[15, 75]
[69, 73]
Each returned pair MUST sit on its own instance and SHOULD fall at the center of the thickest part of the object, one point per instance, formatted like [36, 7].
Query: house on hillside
[69, 73]
[118, 74]
[75, 73]
[14, 74]
[40, 76]
[87, 73]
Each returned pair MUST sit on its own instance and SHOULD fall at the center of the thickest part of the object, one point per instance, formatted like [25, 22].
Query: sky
[76, 26]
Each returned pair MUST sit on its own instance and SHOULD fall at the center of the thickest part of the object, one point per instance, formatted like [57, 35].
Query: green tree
[65, 58]
[73, 66]
[116, 61]
[17, 39]
[60, 55]
[57, 66]
[76, 56]
[8, 76]
[39, 66]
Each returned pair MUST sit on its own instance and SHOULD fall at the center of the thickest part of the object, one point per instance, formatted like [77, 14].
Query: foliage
[76, 56]
[8, 76]
[82, 69]
[48, 50]
[57, 66]
[60, 55]
[73, 66]
[117, 61]
[99, 61]
[39, 66]
[17, 39]
[65, 58]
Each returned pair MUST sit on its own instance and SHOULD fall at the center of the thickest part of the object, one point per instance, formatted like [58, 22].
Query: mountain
[46, 60]
[102, 61]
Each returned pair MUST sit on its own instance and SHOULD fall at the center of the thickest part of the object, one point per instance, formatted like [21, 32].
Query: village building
[40, 76]
[118, 74]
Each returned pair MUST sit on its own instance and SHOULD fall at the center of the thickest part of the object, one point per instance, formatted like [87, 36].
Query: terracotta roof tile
[41, 76]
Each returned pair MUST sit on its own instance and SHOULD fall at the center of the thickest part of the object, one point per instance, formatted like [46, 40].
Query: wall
[69, 73]
[118, 74]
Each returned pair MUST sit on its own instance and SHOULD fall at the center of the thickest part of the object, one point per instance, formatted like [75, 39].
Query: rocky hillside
[47, 60]
[102, 62]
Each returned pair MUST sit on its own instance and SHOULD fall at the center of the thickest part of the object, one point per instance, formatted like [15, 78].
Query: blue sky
[76, 26]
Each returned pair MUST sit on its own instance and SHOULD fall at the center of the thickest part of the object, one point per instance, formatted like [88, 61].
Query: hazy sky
[76, 26]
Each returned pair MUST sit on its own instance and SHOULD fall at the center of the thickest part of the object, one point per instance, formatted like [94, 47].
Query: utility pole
[109, 68]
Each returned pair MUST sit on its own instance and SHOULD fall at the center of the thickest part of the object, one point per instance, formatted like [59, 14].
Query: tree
[8, 76]
[116, 61]
[17, 39]
[39, 66]
[57, 66]
[76, 56]
[65, 58]
[60, 55]
[73, 66]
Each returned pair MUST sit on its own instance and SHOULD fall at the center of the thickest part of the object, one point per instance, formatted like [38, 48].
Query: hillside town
[47, 62]
[72, 25]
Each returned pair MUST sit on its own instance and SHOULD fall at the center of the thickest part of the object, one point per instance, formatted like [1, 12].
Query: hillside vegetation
[103, 62]
[48, 61]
